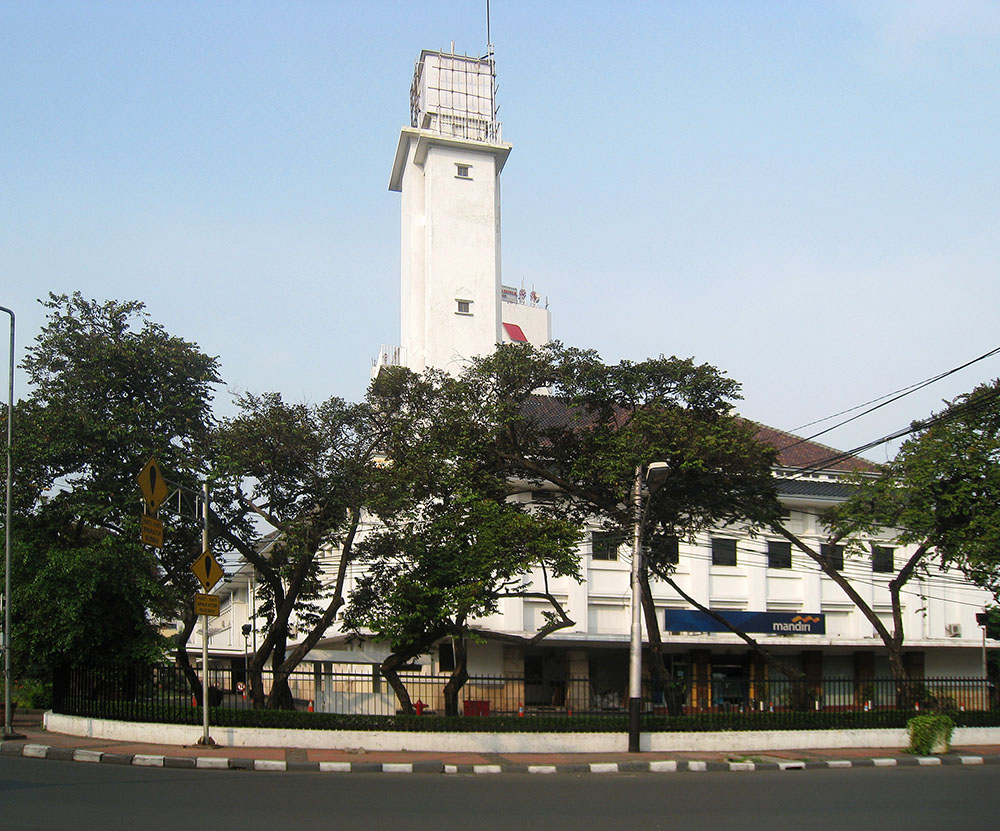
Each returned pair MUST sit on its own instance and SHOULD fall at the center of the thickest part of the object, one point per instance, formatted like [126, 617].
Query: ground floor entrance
[595, 678]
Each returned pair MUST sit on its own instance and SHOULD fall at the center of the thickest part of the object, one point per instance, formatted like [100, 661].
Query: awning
[514, 333]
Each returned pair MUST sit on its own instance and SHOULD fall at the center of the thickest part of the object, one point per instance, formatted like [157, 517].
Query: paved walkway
[41, 744]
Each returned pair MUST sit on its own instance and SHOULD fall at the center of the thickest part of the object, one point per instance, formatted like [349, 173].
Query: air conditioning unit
[953, 630]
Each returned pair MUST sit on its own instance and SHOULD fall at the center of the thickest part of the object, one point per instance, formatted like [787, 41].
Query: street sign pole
[206, 739]
[206, 567]
[8, 723]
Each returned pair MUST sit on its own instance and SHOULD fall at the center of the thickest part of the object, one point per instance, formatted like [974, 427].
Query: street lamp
[983, 619]
[8, 729]
[655, 476]
[246, 629]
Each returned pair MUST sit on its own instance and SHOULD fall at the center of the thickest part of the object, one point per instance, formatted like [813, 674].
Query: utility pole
[206, 739]
[655, 475]
[635, 640]
[8, 724]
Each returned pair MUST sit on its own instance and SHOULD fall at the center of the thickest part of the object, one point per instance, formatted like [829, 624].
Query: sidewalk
[39, 743]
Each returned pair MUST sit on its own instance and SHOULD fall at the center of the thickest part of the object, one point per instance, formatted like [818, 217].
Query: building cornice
[426, 139]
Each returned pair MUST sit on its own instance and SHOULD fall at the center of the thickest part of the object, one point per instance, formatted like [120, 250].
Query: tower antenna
[492, 64]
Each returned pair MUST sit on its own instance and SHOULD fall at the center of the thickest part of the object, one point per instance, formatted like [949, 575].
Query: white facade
[524, 316]
[447, 171]
[454, 307]
[939, 608]
[942, 638]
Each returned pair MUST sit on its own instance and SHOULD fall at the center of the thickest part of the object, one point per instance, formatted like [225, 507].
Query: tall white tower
[447, 169]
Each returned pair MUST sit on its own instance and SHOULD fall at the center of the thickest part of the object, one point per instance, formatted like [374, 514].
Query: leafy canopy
[109, 389]
[453, 544]
[598, 423]
[942, 490]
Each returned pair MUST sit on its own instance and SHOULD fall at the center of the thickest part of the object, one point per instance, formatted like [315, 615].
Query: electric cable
[892, 397]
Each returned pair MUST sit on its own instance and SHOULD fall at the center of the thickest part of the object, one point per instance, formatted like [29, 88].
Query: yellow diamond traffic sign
[207, 570]
[154, 489]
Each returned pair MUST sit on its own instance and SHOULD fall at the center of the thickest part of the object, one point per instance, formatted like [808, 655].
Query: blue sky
[806, 195]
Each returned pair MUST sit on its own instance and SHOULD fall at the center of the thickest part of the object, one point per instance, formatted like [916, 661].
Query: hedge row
[584, 723]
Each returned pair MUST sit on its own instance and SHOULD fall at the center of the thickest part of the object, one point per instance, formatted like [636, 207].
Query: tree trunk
[181, 657]
[893, 641]
[390, 666]
[280, 697]
[459, 676]
[663, 679]
[287, 666]
[389, 671]
[255, 678]
[770, 659]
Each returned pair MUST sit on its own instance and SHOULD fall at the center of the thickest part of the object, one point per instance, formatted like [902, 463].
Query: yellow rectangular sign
[152, 531]
[207, 604]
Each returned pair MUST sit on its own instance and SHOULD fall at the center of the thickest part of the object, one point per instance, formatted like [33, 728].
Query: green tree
[597, 424]
[292, 481]
[453, 544]
[940, 496]
[109, 389]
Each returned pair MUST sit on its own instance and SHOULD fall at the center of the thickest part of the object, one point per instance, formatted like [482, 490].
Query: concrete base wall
[177, 734]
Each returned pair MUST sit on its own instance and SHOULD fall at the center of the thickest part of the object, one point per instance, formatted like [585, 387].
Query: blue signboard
[758, 623]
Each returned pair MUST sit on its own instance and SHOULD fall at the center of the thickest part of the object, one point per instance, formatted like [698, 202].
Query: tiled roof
[793, 452]
[805, 487]
[797, 453]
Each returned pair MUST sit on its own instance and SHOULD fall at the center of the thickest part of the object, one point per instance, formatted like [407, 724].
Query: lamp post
[8, 729]
[249, 628]
[246, 629]
[983, 619]
[655, 475]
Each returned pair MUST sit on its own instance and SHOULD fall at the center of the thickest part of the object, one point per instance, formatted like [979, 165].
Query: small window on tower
[462, 171]
[464, 307]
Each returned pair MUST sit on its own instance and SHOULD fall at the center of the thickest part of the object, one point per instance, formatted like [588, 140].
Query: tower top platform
[455, 96]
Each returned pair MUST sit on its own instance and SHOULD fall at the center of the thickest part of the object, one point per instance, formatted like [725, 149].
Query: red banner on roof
[514, 332]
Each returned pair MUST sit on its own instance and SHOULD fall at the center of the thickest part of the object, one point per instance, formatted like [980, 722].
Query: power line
[954, 412]
[891, 398]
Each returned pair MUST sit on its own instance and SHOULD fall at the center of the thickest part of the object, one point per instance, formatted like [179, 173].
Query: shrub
[930, 732]
[31, 694]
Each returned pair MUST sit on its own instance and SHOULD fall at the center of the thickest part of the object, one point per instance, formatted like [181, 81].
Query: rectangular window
[723, 552]
[882, 559]
[462, 171]
[604, 545]
[446, 657]
[666, 548]
[464, 307]
[779, 554]
[834, 556]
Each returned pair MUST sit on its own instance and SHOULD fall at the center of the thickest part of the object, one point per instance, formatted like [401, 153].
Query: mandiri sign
[758, 623]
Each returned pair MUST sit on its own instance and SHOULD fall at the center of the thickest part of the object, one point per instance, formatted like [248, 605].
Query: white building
[455, 306]
[447, 168]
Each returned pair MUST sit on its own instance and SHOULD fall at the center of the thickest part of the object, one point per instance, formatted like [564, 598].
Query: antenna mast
[492, 63]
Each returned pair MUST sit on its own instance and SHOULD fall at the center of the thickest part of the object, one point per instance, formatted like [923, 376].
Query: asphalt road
[37, 794]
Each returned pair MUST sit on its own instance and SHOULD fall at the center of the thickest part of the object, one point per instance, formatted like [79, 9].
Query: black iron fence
[163, 694]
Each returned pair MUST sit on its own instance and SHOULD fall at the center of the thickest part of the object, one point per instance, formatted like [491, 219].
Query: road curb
[658, 766]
